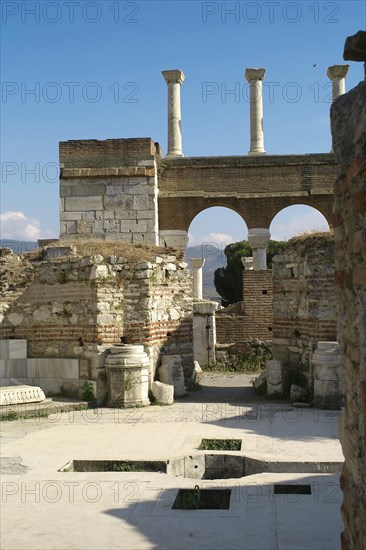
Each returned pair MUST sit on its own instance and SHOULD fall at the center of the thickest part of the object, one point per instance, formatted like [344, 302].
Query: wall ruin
[304, 300]
[255, 316]
[77, 305]
[348, 119]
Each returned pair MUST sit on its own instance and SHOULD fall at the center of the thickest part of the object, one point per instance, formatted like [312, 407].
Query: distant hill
[214, 257]
[18, 246]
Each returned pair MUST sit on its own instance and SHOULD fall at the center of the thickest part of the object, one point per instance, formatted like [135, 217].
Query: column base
[173, 155]
[256, 153]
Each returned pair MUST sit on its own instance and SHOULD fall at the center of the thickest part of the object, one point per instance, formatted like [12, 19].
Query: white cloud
[289, 224]
[16, 225]
[218, 239]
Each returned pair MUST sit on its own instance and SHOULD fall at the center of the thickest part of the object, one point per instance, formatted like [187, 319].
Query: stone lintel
[337, 71]
[254, 74]
[174, 76]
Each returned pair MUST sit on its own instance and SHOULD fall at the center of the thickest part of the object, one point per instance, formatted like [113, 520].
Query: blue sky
[95, 71]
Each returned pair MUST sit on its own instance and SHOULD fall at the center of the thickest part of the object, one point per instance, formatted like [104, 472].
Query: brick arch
[221, 204]
[256, 188]
[322, 209]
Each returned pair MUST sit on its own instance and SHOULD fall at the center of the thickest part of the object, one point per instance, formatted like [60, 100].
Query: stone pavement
[45, 508]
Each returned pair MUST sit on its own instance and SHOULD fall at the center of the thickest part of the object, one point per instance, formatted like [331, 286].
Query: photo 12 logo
[68, 92]
[70, 12]
[269, 12]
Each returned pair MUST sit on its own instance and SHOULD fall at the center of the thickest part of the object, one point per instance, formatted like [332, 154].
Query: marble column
[258, 239]
[174, 79]
[255, 78]
[337, 74]
[197, 264]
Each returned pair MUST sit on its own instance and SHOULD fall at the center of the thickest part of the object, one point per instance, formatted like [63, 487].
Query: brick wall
[256, 318]
[348, 118]
[304, 301]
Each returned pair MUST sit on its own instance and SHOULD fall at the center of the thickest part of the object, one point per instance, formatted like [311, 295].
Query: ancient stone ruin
[113, 302]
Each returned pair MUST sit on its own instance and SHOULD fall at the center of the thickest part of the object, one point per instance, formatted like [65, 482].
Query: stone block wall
[109, 190]
[348, 119]
[304, 299]
[77, 307]
[256, 317]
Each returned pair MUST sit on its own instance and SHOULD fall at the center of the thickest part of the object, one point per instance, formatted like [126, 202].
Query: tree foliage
[228, 280]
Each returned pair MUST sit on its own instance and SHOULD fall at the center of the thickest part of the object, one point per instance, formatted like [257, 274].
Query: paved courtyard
[45, 508]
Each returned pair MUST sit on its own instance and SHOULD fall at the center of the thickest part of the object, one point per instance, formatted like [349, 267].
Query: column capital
[197, 263]
[175, 76]
[254, 74]
[258, 237]
[337, 71]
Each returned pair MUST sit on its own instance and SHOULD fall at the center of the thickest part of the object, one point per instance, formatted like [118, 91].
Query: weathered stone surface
[163, 393]
[304, 299]
[274, 376]
[297, 393]
[261, 381]
[355, 47]
[171, 372]
[349, 143]
[127, 369]
[14, 395]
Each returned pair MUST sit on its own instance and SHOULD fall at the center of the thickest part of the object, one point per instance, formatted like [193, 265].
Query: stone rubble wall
[78, 307]
[304, 299]
[109, 190]
[348, 119]
[256, 317]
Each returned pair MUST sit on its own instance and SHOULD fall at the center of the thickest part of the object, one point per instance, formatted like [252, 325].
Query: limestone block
[274, 375]
[163, 393]
[83, 227]
[260, 381]
[15, 395]
[13, 349]
[115, 189]
[15, 319]
[197, 372]
[42, 314]
[194, 466]
[171, 372]
[98, 272]
[82, 204]
[54, 252]
[140, 202]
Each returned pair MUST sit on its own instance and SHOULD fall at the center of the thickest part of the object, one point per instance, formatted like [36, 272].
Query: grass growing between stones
[240, 363]
[220, 445]
[133, 253]
[202, 499]
[12, 415]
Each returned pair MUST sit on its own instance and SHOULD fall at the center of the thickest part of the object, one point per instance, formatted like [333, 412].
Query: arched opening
[208, 235]
[296, 219]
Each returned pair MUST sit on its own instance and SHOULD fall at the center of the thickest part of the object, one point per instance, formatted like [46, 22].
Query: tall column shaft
[174, 79]
[255, 78]
[337, 74]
